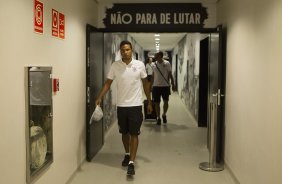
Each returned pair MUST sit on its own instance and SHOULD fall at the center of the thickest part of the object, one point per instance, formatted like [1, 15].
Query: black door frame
[202, 31]
[94, 130]
[203, 83]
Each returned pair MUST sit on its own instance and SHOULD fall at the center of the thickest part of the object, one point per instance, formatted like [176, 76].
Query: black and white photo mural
[188, 72]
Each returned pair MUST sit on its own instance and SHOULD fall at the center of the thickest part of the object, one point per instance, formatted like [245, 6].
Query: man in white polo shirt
[130, 76]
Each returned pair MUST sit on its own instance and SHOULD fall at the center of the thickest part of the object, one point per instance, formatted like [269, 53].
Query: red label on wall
[38, 16]
[61, 25]
[55, 23]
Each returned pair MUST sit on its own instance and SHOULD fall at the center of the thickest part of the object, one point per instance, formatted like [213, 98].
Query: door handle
[218, 95]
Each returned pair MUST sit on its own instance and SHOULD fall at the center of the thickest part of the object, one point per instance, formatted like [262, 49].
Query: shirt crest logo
[134, 68]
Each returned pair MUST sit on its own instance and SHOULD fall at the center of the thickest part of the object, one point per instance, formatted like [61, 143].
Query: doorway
[204, 87]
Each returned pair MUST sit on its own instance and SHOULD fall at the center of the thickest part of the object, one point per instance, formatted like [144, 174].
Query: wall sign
[165, 16]
[38, 16]
[61, 26]
[58, 24]
[55, 23]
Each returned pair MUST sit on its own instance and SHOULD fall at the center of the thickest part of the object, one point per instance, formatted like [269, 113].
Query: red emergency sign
[61, 26]
[55, 23]
[38, 16]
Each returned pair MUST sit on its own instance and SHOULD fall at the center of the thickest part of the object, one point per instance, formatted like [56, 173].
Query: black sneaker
[164, 118]
[159, 121]
[130, 169]
[125, 160]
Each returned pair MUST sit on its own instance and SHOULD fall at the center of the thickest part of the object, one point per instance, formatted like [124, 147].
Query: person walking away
[130, 76]
[162, 79]
[149, 69]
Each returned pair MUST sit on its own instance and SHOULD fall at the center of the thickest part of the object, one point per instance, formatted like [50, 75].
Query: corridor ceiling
[156, 1]
[146, 40]
[167, 40]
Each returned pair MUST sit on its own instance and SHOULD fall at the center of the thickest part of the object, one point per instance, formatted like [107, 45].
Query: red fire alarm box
[55, 85]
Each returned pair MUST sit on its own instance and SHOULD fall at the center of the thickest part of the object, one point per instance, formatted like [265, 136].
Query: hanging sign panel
[38, 16]
[147, 16]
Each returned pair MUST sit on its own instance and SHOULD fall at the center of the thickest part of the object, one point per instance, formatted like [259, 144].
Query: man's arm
[172, 81]
[147, 90]
[104, 90]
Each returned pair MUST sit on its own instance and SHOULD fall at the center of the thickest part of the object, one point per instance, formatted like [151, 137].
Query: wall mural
[188, 81]
[112, 54]
[173, 65]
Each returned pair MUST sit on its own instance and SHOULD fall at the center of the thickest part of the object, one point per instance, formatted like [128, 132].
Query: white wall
[20, 47]
[253, 145]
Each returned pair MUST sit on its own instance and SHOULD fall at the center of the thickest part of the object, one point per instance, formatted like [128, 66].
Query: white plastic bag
[97, 114]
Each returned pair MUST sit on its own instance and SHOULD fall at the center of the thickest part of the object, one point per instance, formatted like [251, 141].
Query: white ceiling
[156, 1]
[167, 40]
[147, 40]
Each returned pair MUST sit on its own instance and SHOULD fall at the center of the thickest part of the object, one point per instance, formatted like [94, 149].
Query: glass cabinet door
[39, 121]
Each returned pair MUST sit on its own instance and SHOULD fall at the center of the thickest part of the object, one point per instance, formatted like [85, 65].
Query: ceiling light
[157, 34]
[157, 38]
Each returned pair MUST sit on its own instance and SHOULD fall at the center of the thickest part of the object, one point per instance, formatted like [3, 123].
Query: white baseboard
[75, 171]
[235, 179]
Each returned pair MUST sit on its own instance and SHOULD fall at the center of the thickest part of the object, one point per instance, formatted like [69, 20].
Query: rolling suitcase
[153, 115]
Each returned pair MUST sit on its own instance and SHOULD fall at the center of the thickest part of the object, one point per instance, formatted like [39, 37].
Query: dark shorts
[130, 119]
[159, 92]
[149, 78]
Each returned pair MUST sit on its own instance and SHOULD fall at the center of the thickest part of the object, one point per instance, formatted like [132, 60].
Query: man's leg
[165, 107]
[157, 100]
[134, 141]
[158, 112]
[133, 144]
[130, 143]
[135, 122]
[125, 141]
[158, 109]
[133, 150]
[165, 95]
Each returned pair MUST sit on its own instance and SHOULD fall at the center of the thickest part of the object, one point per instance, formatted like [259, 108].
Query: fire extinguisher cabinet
[39, 120]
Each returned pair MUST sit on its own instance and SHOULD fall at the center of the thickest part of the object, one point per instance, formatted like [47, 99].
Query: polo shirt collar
[129, 64]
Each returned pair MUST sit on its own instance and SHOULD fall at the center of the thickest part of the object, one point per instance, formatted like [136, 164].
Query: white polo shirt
[129, 83]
